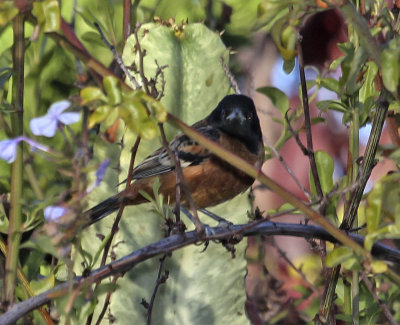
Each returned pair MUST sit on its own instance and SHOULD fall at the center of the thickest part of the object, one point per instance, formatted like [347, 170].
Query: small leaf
[374, 206]
[325, 168]
[7, 12]
[368, 89]
[335, 105]
[277, 97]
[90, 94]
[390, 69]
[148, 129]
[43, 284]
[288, 66]
[159, 112]
[330, 84]
[47, 13]
[379, 267]
[111, 86]
[99, 115]
[133, 113]
[338, 255]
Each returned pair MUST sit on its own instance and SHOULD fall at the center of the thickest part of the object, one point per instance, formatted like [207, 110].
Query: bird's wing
[189, 152]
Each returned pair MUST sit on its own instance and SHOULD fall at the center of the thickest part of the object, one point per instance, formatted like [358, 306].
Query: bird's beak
[236, 114]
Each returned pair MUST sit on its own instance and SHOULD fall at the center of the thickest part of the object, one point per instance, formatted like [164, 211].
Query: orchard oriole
[234, 125]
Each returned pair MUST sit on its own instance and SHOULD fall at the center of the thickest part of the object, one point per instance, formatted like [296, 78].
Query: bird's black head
[236, 116]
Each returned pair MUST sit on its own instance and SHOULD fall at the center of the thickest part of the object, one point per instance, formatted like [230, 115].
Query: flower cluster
[45, 125]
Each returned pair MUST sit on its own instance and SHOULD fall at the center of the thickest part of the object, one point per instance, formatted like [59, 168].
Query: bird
[234, 125]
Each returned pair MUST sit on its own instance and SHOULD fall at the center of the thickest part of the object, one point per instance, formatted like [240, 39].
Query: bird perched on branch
[234, 125]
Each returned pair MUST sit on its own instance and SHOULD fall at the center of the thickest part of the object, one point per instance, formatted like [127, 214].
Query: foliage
[73, 144]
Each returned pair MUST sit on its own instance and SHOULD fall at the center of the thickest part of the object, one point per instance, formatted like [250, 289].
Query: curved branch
[175, 242]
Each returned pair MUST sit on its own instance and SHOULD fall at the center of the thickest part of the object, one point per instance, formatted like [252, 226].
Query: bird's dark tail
[103, 209]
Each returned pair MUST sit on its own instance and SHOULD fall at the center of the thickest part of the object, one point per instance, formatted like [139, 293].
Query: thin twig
[230, 76]
[114, 228]
[288, 169]
[160, 280]
[383, 307]
[127, 18]
[307, 121]
[295, 135]
[107, 300]
[294, 267]
[160, 74]
[117, 57]
[141, 53]
[182, 180]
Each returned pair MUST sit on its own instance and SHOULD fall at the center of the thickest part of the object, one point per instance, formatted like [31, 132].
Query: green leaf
[269, 12]
[373, 209]
[113, 91]
[90, 94]
[48, 15]
[7, 12]
[379, 267]
[99, 115]
[325, 167]
[269, 9]
[368, 88]
[285, 39]
[93, 38]
[277, 97]
[329, 83]
[338, 255]
[44, 284]
[390, 68]
[148, 129]
[288, 66]
[335, 105]
[5, 74]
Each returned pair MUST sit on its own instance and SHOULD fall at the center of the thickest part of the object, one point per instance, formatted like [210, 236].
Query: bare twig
[117, 57]
[182, 181]
[383, 307]
[161, 278]
[141, 53]
[159, 74]
[107, 300]
[288, 169]
[295, 135]
[294, 267]
[127, 18]
[307, 121]
[114, 228]
[231, 78]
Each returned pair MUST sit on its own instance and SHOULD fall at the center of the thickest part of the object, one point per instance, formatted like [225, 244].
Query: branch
[174, 242]
[307, 121]
[366, 167]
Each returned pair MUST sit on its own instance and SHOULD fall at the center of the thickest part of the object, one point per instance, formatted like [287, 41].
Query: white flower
[47, 125]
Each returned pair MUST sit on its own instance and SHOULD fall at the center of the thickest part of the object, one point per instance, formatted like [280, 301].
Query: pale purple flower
[54, 212]
[100, 172]
[46, 125]
[8, 147]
